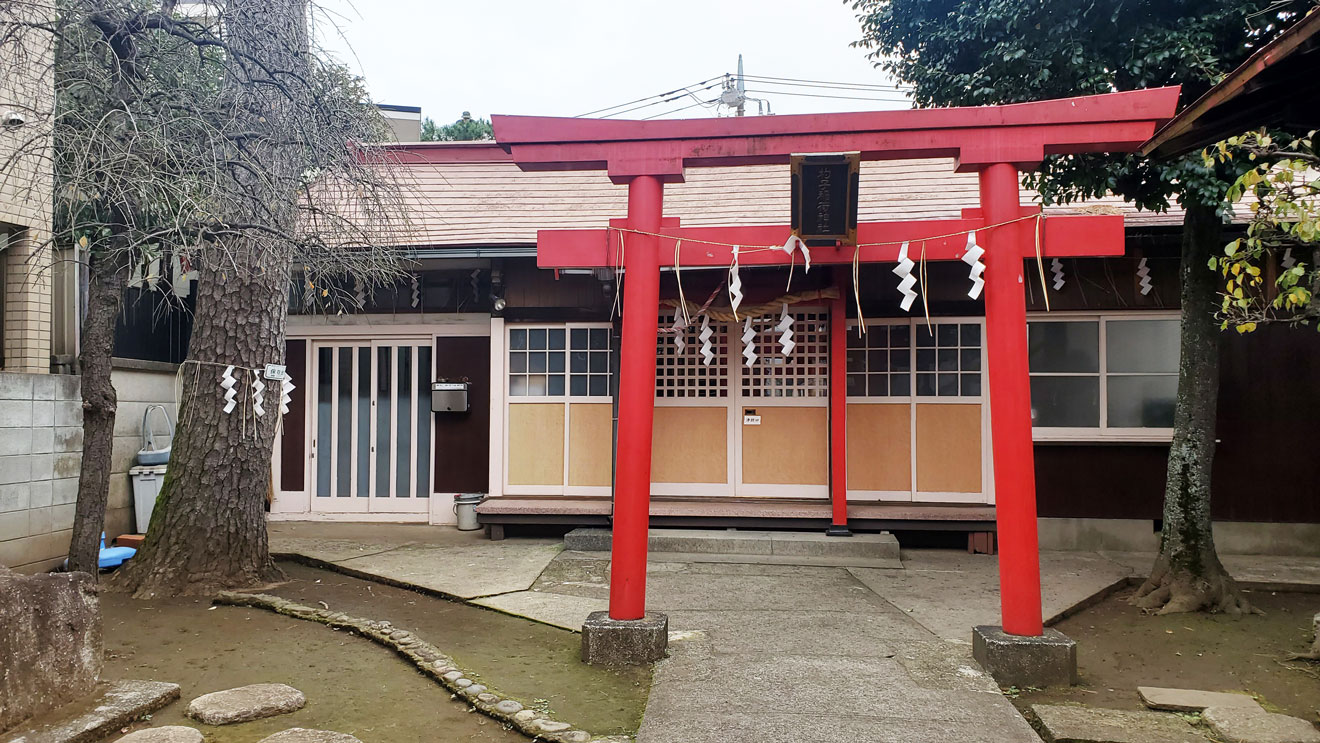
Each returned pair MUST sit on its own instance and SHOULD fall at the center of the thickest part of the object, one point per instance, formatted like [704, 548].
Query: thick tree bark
[208, 531]
[1187, 575]
[107, 277]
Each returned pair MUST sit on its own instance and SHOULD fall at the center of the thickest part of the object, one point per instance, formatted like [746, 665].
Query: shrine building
[628, 332]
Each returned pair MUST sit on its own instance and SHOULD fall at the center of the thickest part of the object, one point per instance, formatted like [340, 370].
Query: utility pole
[742, 88]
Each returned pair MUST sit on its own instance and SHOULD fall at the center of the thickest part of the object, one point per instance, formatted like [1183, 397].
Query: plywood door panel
[690, 445]
[789, 447]
[590, 436]
[880, 447]
[949, 448]
[536, 444]
[462, 440]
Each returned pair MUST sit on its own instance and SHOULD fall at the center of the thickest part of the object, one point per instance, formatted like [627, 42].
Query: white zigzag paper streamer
[749, 342]
[1056, 268]
[227, 382]
[795, 243]
[1144, 272]
[359, 292]
[707, 348]
[258, 387]
[416, 291]
[904, 270]
[1288, 260]
[286, 395]
[785, 327]
[973, 258]
[735, 284]
[679, 327]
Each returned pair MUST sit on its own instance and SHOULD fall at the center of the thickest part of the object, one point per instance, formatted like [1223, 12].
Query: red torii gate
[993, 141]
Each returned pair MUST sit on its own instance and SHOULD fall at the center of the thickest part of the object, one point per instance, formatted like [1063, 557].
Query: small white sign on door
[751, 420]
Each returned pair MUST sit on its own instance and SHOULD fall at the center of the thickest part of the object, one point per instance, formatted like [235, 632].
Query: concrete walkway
[770, 652]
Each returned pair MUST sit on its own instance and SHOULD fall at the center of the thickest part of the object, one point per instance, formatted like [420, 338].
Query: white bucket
[465, 507]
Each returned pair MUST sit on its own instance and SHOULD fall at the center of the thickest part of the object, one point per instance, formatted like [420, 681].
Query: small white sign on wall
[751, 420]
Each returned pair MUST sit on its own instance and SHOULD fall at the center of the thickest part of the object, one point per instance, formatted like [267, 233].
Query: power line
[822, 95]
[666, 113]
[684, 93]
[649, 97]
[824, 84]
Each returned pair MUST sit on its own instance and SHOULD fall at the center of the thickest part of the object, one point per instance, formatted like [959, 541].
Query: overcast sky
[569, 57]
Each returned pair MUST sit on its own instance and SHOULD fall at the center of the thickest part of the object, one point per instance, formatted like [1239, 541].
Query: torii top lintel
[1019, 133]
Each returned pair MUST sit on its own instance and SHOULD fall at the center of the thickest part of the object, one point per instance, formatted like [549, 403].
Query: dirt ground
[1119, 649]
[353, 685]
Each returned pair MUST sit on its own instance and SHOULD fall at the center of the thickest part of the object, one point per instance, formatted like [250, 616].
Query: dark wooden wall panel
[1266, 467]
[462, 440]
[293, 445]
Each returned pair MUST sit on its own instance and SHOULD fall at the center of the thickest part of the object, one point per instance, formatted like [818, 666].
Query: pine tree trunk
[208, 531]
[1187, 575]
[106, 280]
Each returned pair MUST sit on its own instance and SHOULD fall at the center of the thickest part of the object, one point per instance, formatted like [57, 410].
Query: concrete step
[785, 544]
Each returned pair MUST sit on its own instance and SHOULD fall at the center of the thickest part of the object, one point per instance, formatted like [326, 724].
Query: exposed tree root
[142, 582]
[1173, 591]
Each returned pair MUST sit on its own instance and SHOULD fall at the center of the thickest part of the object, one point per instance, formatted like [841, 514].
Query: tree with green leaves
[466, 129]
[1283, 234]
[977, 52]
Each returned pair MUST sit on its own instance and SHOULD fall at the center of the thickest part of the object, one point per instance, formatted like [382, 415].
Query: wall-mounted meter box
[449, 397]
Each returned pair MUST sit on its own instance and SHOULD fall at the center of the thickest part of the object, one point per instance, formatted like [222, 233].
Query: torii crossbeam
[1070, 236]
[996, 142]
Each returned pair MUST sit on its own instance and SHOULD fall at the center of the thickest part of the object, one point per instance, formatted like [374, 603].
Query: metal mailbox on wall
[449, 397]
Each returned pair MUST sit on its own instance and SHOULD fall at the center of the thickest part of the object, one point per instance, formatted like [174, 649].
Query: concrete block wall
[40, 455]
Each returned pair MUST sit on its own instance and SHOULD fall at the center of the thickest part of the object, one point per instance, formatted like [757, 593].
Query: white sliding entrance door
[371, 426]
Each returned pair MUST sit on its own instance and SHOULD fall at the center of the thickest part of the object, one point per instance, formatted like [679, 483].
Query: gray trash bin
[147, 481]
[465, 507]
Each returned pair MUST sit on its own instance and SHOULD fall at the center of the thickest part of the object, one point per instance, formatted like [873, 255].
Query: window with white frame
[682, 372]
[558, 361]
[894, 358]
[1103, 375]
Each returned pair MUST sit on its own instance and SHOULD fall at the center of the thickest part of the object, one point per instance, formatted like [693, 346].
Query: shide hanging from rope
[996, 142]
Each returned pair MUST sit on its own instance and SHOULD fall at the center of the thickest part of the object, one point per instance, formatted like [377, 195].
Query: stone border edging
[430, 661]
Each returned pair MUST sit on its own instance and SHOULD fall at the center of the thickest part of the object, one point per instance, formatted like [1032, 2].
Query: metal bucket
[465, 508]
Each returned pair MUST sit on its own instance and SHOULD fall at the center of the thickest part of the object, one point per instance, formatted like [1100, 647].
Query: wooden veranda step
[741, 512]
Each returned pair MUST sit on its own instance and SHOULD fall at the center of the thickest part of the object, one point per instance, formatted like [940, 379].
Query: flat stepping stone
[1245, 725]
[121, 705]
[306, 735]
[166, 734]
[246, 703]
[1065, 724]
[1192, 700]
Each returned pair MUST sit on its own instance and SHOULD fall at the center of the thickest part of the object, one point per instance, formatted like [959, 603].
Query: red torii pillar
[632, 478]
[1010, 403]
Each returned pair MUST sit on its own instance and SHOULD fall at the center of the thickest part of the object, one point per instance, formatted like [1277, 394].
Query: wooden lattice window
[561, 360]
[684, 373]
[804, 372]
